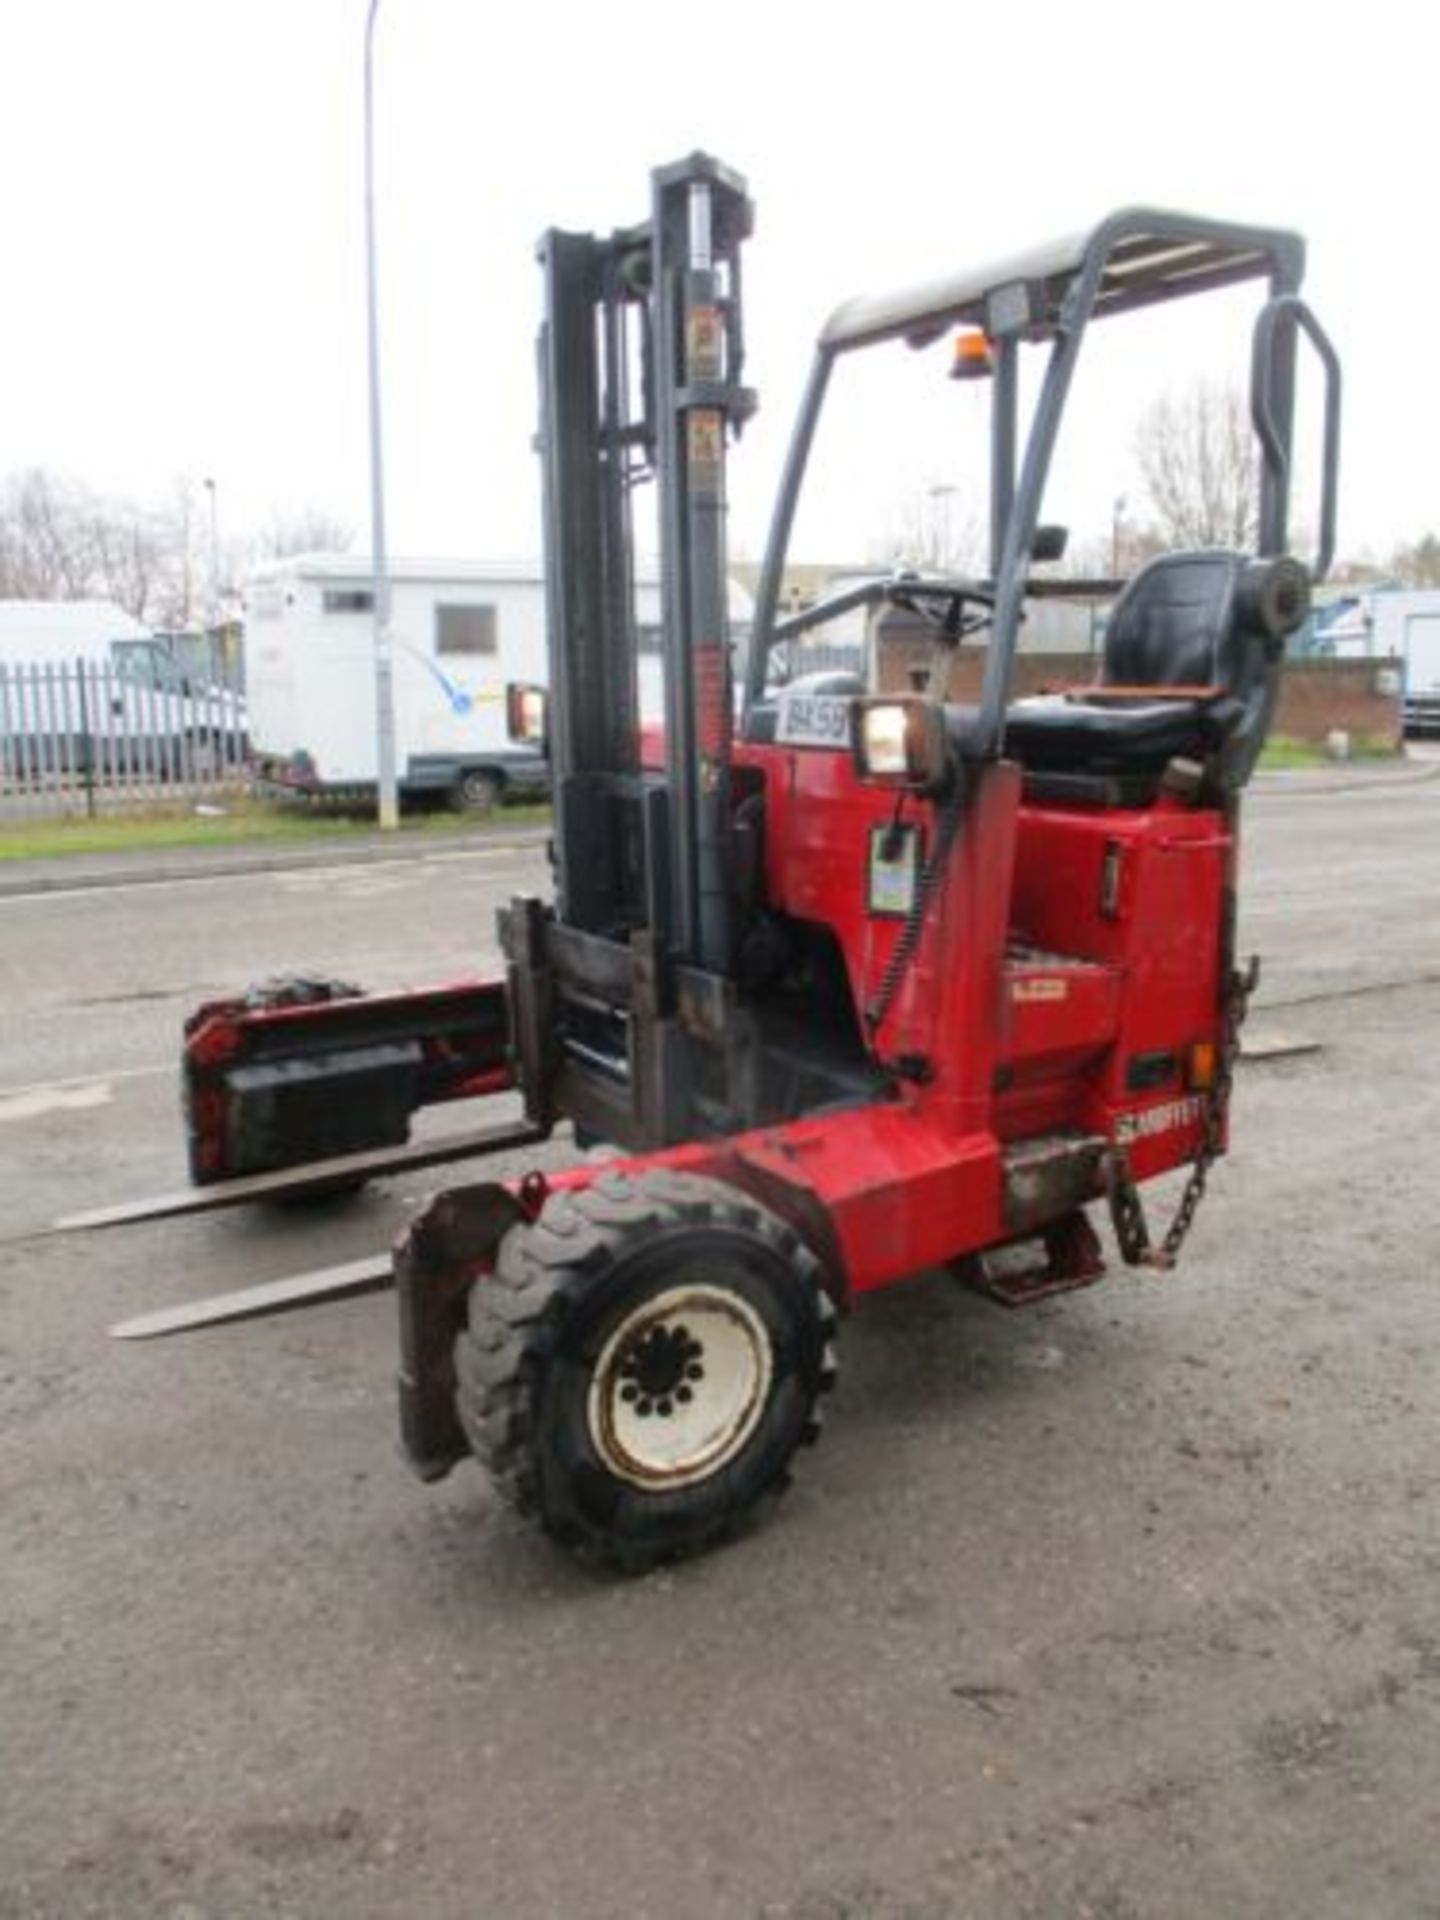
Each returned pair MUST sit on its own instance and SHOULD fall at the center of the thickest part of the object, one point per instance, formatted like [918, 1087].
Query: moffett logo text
[1162, 1119]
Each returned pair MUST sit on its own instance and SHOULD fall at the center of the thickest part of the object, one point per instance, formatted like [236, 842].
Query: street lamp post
[389, 807]
[214, 619]
[941, 532]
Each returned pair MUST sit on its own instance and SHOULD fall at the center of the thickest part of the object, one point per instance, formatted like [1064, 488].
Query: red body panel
[884, 1189]
[1061, 941]
[1142, 892]
[1069, 959]
[1066, 954]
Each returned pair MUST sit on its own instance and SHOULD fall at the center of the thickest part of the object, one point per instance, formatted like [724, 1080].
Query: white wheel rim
[680, 1387]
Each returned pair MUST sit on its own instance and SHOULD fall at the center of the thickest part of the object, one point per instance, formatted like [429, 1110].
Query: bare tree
[1197, 455]
[1113, 555]
[1359, 570]
[935, 533]
[61, 541]
[43, 548]
[305, 529]
[126, 548]
[1418, 565]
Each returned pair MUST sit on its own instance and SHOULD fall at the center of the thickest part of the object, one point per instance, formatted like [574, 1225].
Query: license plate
[814, 720]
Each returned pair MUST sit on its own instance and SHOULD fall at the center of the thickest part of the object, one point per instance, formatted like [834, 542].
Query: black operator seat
[1190, 669]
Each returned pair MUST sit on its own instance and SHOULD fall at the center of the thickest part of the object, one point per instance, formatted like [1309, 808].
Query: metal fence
[87, 738]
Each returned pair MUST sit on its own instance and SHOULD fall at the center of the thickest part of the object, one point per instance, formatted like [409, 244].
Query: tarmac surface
[1127, 1605]
[65, 872]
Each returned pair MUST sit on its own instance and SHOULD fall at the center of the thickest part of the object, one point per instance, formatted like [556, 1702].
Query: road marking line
[85, 1080]
[31, 1106]
[84, 890]
[1276, 1044]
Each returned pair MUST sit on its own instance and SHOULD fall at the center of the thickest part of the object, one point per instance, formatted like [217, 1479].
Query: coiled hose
[902, 954]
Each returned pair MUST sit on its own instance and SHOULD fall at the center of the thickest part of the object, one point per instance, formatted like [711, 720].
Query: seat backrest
[1174, 624]
[1211, 619]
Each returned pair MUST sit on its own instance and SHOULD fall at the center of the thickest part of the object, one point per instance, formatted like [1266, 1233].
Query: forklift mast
[641, 351]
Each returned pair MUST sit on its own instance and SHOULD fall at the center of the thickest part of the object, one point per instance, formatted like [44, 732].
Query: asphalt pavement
[144, 866]
[1123, 1606]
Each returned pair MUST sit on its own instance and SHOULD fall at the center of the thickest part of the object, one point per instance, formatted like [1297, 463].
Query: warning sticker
[1040, 987]
[703, 344]
[706, 438]
[894, 872]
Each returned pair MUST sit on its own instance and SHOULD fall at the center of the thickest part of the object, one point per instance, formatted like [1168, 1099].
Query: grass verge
[246, 822]
[242, 823]
[1281, 753]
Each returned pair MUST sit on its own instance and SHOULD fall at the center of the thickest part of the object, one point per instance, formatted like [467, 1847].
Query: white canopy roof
[1151, 255]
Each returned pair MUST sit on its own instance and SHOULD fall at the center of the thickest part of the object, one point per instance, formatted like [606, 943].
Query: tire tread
[541, 1267]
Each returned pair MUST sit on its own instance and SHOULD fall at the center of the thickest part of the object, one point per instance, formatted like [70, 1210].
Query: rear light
[1200, 1062]
[527, 714]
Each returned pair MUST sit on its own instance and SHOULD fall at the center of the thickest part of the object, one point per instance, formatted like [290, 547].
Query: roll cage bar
[1135, 258]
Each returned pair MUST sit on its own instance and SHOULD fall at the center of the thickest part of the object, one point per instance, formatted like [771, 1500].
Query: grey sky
[184, 273]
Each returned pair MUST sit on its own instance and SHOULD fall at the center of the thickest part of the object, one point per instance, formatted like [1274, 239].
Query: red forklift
[853, 982]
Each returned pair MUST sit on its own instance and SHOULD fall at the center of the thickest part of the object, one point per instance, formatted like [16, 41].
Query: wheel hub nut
[659, 1370]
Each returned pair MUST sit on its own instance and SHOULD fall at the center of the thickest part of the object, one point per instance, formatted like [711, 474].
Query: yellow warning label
[703, 345]
[706, 438]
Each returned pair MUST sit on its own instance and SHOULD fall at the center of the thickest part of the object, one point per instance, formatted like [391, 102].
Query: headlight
[882, 742]
[900, 742]
[528, 713]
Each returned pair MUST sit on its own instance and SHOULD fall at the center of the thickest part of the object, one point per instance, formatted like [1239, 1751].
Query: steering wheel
[939, 599]
[942, 602]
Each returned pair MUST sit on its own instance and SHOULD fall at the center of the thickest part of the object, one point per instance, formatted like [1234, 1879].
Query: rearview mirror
[1049, 543]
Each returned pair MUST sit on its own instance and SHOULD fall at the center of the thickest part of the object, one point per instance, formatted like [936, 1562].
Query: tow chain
[1127, 1209]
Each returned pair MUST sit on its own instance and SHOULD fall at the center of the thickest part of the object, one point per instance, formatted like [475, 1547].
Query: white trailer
[464, 633]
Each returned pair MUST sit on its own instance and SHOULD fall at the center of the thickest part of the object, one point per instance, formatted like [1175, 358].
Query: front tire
[643, 1363]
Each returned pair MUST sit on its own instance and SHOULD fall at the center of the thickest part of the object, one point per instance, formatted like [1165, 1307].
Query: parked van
[85, 689]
